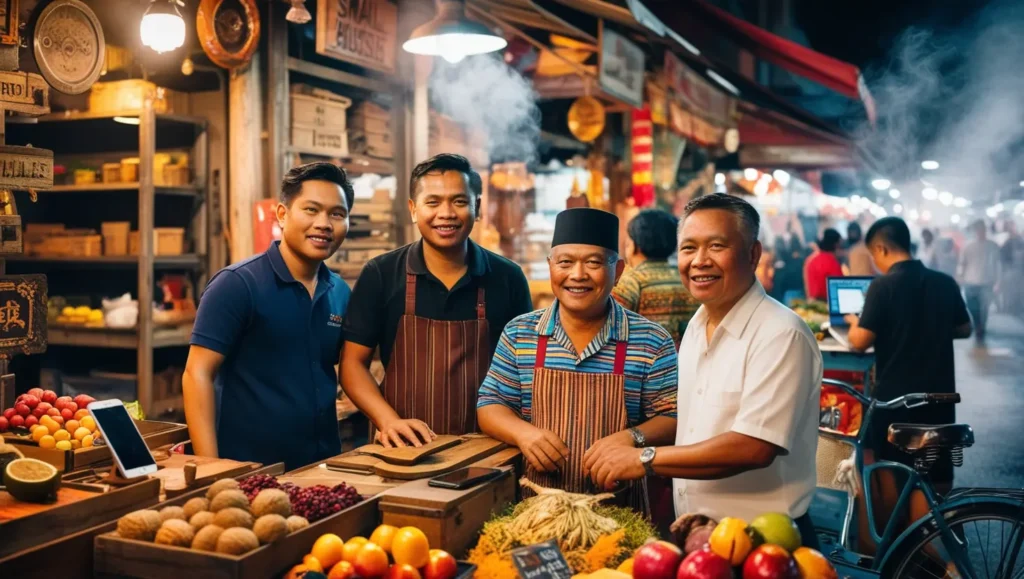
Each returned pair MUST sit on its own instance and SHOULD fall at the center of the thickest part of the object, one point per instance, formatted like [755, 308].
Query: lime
[31, 480]
[778, 529]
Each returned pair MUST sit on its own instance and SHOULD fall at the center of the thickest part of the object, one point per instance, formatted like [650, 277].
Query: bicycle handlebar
[908, 400]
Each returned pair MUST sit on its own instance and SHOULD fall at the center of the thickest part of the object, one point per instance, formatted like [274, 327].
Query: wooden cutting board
[172, 472]
[354, 462]
[410, 455]
[472, 449]
[11, 508]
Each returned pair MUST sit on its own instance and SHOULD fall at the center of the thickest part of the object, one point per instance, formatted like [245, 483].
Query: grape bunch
[252, 485]
[319, 501]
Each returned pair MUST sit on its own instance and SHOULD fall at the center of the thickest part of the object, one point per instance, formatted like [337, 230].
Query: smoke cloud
[958, 98]
[484, 93]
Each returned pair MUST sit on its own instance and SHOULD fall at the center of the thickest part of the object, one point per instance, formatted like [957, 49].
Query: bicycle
[918, 550]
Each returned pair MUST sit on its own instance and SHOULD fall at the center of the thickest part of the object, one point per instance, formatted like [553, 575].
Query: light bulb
[453, 56]
[881, 184]
[187, 66]
[162, 31]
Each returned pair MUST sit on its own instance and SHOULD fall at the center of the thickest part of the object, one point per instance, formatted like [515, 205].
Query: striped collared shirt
[651, 378]
[654, 290]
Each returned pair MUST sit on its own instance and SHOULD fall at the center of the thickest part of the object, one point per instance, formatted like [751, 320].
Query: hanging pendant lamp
[452, 36]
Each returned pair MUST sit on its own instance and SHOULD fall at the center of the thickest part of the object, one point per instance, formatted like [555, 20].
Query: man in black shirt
[911, 316]
[435, 309]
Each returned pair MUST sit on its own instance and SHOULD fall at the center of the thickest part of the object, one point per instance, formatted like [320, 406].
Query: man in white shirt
[978, 272]
[749, 381]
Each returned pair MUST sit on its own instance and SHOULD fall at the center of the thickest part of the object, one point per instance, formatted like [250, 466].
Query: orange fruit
[47, 441]
[352, 548]
[626, 567]
[813, 565]
[64, 445]
[328, 549]
[371, 561]
[410, 547]
[86, 442]
[71, 426]
[730, 541]
[81, 432]
[61, 435]
[312, 564]
[38, 432]
[81, 412]
[383, 536]
[88, 422]
[342, 570]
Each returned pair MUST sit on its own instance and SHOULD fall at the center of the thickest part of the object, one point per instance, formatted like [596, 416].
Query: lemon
[38, 432]
[86, 441]
[67, 311]
[62, 435]
[96, 316]
[64, 445]
[88, 422]
[28, 479]
[82, 311]
[75, 444]
[47, 441]
[82, 432]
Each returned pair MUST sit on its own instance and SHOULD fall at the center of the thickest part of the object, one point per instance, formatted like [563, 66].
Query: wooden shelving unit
[146, 336]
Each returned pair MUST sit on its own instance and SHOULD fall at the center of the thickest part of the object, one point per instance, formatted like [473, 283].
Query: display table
[838, 357]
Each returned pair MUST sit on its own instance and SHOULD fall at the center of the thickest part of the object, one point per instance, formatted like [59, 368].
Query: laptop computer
[845, 296]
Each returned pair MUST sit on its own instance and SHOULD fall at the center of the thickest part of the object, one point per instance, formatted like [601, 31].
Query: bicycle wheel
[988, 529]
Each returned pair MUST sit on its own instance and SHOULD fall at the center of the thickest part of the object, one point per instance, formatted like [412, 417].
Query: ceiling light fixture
[897, 209]
[719, 178]
[961, 202]
[881, 184]
[162, 27]
[929, 193]
[750, 174]
[452, 36]
[128, 120]
[929, 165]
[946, 198]
[894, 193]
[298, 14]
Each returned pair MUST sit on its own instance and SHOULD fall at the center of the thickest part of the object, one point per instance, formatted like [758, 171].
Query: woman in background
[822, 265]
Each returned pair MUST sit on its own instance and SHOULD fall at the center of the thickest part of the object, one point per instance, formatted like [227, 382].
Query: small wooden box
[126, 96]
[166, 241]
[115, 237]
[115, 556]
[450, 519]
[111, 172]
[329, 140]
[318, 112]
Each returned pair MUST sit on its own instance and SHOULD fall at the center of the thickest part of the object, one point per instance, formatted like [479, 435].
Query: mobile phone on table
[465, 478]
[130, 452]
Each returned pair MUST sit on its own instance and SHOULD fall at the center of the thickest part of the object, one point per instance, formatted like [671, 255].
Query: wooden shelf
[70, 116]
[182, 190]
[185, 260]
[337, 76]
[351, 163]
[127, 339]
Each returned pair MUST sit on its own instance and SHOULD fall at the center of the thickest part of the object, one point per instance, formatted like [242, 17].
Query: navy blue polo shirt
[277, 386]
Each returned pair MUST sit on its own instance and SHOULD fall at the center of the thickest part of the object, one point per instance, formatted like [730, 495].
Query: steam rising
[484, 93]
[970, 82]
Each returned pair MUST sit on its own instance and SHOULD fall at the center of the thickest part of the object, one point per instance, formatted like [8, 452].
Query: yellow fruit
[61, 434]
[730, 541]
[383, 536]
[75, 444]
[88, 422]
[72, 425]
[47, 442]
[38, 432]
[64, 445]
[82, 311]
[96, 316]
[328, 550]
[410, 547]
[68, 311]
[86, 442]
[82, 413]
[626, 566]
[81, 432]
[352, 548]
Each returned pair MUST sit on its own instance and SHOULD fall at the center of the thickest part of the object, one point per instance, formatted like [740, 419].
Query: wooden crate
[39, 523]
[166, 241]
[116, 557]
[127, 96]
[328, 139]
[115, 237]
[450, 519]
[312, 111]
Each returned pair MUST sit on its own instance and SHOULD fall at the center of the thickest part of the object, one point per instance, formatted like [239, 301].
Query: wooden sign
[24, 92]
[697, 94]
[22, 314]
[541, 561]
[25, 168]
[362, 32]
[621, 68]
[9, 23]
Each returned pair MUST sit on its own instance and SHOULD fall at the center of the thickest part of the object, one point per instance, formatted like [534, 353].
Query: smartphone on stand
[130, 452]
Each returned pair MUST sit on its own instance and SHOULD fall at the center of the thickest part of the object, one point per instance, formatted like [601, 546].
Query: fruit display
[56, 422]
[815, 314]
[311, 503]
[770, 547]
[403, 553]
[81, 316]
[224, 521]
[591, 536]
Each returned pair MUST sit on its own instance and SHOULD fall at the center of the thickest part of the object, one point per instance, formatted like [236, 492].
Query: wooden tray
[353, 462]
[208, 470]
[78, 507]
[115, 556]
[474, 448]
[156, 434]
[410, 455]
[71, 555]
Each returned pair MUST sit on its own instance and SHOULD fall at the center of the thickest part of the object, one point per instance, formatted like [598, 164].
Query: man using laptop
[845, 296]
[911, 316]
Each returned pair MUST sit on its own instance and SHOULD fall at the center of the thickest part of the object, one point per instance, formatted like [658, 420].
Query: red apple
[22, 409]
[37, 392]
[658, 560]
[62, 401]
[4, 424]
[49, 396]
[9, 413]
[402, 571]
[17, 421]
[40, 411]
[31, 421]
[440, 565]
[72, 407]
[83, 400]
[703, 564]
[30, 400]
[770, 562]
[67, 413]
[55, 412]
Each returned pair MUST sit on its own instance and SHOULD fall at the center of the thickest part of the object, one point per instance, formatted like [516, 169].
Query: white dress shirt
[759, 376]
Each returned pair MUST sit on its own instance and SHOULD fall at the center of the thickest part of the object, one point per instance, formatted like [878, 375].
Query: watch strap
[649, 463]
[639, 440]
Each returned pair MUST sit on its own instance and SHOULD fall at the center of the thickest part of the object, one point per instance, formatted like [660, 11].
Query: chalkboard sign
[22, 314]
[541, 561]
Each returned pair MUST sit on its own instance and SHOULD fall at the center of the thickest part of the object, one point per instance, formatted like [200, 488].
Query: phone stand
[114, 478]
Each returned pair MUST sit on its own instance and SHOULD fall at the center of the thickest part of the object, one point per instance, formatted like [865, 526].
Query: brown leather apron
[436, 367]
[582, 408]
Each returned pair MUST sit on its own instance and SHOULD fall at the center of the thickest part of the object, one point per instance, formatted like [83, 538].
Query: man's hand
[621, 438]
[543, 450]
[852, 319]
[613, 464]
[401, 433]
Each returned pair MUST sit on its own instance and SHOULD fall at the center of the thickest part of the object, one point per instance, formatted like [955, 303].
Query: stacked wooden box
[318, 121]
[52, 239]
[370, 131]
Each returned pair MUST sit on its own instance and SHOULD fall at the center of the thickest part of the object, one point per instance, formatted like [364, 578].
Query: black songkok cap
[587, 226]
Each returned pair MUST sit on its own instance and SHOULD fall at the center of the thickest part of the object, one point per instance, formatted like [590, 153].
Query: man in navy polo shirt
[260, 383]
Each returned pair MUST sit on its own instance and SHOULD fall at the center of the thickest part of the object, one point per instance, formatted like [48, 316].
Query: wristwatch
[647, 459]
[639, 440]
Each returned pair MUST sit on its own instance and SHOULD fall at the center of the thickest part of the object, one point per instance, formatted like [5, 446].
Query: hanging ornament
[187, 66]
[297, 13]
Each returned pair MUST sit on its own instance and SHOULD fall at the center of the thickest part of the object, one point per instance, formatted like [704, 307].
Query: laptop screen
[846, 296]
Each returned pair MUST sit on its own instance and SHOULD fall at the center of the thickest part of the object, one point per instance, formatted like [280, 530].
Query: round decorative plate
[229, 30]
[68, 45]
[586, 118]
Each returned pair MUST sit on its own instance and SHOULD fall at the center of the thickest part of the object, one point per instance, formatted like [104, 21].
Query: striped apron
[582, 408]
[436, 367]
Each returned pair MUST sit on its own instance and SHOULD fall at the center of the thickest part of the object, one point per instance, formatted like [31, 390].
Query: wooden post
[147, 208]
[245, 158]
[277, 95]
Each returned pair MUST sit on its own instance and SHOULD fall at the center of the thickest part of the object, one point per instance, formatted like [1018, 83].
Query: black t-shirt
[914, 312]
[378, 300]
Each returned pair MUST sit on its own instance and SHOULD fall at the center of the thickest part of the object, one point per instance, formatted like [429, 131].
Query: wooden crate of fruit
[230, 541]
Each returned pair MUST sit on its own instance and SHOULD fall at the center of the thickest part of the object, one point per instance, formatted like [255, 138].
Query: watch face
[647, 455]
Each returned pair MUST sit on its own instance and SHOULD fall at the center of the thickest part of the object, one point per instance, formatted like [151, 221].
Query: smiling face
[716, 260]
[315, 223]
[582, 278]
[444, 209]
